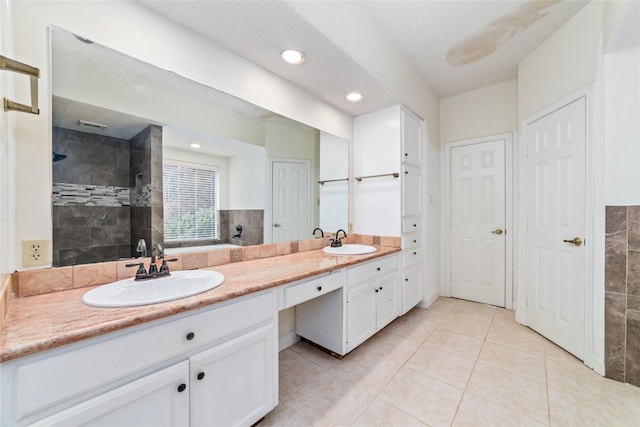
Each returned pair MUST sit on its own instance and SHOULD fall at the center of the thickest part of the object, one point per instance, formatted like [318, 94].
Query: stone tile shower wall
[622, 294]
[252, 221]
[145, 180]
[91, 220]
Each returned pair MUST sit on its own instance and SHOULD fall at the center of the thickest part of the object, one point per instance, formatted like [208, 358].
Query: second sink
[350, 249]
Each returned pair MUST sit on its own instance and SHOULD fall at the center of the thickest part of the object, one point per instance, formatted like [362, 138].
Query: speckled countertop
[43, 322]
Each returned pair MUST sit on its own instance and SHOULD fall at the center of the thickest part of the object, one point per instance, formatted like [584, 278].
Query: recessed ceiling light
[355, 97]
[292, 56]
[194, 145]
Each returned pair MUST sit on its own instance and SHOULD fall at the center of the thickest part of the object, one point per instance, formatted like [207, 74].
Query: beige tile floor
[458, 363]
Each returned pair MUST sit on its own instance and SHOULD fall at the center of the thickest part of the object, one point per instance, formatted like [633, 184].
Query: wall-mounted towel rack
[394, 174]
[332, 180]
[33, 73]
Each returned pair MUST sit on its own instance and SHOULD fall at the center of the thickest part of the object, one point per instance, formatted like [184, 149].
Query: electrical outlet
[34, 252]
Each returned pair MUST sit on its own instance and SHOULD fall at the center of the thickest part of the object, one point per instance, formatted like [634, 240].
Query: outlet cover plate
[35, 252]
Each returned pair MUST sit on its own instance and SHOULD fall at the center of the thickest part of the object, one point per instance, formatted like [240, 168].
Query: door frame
[594, 232]
[268, 208]
[446, 212]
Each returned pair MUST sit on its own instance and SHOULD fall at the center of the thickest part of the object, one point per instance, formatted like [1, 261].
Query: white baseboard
[428, 300]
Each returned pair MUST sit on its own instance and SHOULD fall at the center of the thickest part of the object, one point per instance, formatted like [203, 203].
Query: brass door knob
[497, 231]
[276, 225]
[575, 241]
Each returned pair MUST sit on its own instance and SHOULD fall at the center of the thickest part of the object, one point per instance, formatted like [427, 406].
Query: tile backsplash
[35, 282]
[622, 294]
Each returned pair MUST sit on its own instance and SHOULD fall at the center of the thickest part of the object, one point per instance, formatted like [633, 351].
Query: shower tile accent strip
[622, 294]
[65, 194]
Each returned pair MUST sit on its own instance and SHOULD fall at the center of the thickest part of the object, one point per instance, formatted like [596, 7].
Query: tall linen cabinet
[388, 166]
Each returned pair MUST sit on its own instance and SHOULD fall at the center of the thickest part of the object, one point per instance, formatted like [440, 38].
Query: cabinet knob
[181, 388]
[200, 376]
[406, 172]
[406, 154]
[406, 279]
[380, 288]
[415, 253]
[378, 269]
[376, 291]
[319, 288]
[415, 241]
[415, 225]
[190, 336]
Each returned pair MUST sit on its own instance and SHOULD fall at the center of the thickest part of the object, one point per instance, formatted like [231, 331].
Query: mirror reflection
[142, 153]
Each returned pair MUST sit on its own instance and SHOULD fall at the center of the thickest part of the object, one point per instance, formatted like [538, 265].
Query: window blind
[190, 205]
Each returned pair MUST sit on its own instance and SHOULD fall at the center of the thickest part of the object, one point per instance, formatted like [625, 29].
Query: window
[190, 201]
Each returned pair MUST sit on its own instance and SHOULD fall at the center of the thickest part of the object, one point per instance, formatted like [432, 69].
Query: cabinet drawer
[411, 224]
[372, 270]
[300, 292]
[411, 256]
[413, 240]
[69, 373]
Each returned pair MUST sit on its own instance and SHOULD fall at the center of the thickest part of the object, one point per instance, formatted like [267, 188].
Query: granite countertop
[43, 322]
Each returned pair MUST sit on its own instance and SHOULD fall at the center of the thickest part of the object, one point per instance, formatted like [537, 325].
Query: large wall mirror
[142, 153]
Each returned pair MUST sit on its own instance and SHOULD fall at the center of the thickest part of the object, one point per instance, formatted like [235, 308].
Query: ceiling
[456, 46]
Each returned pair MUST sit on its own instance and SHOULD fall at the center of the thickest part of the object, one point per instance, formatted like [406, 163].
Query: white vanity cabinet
[386, 142]
[344, 318]
[215, 366]
[372, 299]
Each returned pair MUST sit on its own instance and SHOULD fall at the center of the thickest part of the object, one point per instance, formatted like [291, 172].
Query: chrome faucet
[313, 233]
[336, 242]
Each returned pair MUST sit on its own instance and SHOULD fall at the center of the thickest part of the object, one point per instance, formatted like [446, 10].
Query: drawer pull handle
[200, 376]
[181, 388]
[378, 269]
[190, 336]
[319, 288]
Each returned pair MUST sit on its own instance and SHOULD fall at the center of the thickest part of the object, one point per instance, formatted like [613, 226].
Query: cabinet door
[412, 292]
[235, 383]
[411, 139]
[361, 314]
[159, 399]
[411, 191]
[387, 307]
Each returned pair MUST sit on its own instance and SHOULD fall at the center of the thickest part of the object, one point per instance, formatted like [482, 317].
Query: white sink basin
[129, 293]
[350, 249]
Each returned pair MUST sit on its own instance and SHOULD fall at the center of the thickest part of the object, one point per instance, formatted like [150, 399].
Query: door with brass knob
[575, 241]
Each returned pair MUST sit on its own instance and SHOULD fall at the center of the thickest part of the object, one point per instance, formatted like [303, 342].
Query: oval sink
[350, 249]
[129, 293]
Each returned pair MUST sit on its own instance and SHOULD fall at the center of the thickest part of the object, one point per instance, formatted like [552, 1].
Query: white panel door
[290, 205]
[478, 196]
[555, 215]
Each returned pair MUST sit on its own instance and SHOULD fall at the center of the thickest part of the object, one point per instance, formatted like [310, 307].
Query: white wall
[487, 111]
[622, 127]
[7, 164]
[152, 38]
[247, 174]
[334, 196]
[563, 64]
